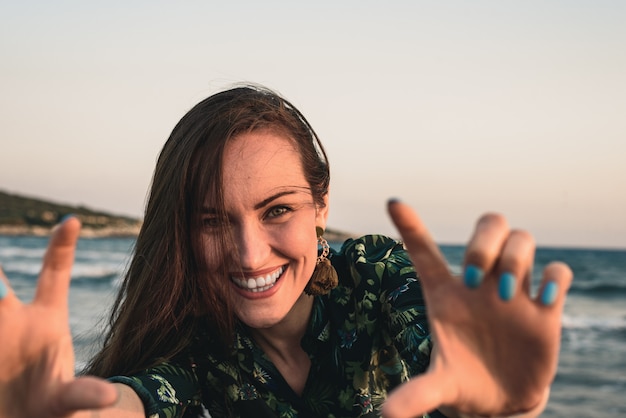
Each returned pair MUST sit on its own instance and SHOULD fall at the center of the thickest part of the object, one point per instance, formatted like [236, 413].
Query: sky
[457, 108]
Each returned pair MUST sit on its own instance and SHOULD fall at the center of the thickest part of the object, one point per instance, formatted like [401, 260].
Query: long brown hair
[167, 290]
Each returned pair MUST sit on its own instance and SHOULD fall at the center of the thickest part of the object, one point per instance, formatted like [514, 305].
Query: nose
[253, 246]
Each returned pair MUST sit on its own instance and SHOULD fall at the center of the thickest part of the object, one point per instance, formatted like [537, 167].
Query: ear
[321, 213]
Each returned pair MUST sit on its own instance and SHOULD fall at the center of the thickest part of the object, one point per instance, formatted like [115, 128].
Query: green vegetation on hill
[20, 215]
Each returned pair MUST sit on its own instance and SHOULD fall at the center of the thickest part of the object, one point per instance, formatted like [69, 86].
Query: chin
[257, 319]
[260, 323]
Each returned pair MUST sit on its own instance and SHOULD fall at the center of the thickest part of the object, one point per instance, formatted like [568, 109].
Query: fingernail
[472, 276]
[548, 296]
[66, 217]
[3, 290]
[506, 286]
[393, 200]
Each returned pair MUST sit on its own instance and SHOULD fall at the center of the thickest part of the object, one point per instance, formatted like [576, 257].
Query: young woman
[229, 305]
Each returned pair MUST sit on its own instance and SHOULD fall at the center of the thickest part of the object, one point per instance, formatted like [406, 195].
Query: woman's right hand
[36, 353]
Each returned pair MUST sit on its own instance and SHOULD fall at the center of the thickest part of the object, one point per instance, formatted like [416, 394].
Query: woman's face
[272, 217]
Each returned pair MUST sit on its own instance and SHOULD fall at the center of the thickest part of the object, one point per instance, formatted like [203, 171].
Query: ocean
[591, 378]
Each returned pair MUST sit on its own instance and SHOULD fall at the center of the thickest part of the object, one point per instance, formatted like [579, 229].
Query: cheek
[299, 244]
[215, 252]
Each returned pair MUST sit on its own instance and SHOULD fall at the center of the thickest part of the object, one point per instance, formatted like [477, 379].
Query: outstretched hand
[36, 352]
[495, 345]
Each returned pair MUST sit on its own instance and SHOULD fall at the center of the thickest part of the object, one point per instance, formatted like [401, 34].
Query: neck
[287, 333]
[281, 344]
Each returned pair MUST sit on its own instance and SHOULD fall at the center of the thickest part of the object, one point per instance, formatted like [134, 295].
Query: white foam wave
[82, 270]
[16, 266]
[7, 253]
[606, 323]
[94, 271]
[100, 256]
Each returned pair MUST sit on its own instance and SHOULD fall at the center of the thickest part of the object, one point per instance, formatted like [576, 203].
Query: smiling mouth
[260, 283]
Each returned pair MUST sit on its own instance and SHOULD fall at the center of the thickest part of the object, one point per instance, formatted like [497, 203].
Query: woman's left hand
[496, 346]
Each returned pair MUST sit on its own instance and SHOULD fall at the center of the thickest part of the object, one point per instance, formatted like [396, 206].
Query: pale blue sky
[457, 108]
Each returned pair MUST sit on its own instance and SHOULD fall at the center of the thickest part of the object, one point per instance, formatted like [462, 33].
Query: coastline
[121, 231]
[30, 216]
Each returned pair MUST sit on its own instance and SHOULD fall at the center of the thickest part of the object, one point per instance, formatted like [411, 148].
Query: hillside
[21, 215]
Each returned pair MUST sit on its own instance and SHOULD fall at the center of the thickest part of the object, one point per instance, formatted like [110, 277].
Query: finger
[430, 264]
[54, 279]
[416, 397]
[7, 297]
[85, 393]
[4, 285]
[515, 265]
[556, 280]
[484, 248]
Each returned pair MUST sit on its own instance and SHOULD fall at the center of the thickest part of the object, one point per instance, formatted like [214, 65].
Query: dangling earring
[324, 277]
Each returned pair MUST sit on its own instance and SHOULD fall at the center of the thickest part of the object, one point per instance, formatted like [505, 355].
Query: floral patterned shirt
[364, 338]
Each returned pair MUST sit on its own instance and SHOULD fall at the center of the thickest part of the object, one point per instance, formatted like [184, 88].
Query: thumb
[417, 397]
[86, 392]
[428, 260]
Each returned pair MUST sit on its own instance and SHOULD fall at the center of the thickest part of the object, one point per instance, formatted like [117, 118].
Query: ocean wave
[600, 288]
[95, 271]
[35, 252]
[8, 253]
[598, 323]
[25, 268]
[30, 269]
[107, 279]
[99, 255]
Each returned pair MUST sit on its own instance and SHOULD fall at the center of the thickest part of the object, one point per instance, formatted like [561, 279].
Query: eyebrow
[262, 203]
[273, 197]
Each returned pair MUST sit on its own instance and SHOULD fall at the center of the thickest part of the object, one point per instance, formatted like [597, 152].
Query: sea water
[591, 378]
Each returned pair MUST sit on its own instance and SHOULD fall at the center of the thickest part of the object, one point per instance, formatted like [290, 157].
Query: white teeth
[258, 284]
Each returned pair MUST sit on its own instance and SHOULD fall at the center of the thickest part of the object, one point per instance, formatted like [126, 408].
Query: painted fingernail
[549, 293]
[393, 200]
[3, 290]
[66, 217]
[506, 286]
[472, 276]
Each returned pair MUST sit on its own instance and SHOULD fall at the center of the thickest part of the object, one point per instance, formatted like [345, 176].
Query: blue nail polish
[3, 290]
[472, 276]
[506, 286]
[66, 217]
[548, 296]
